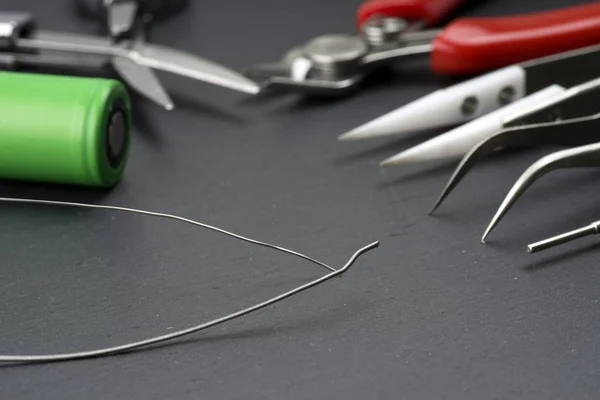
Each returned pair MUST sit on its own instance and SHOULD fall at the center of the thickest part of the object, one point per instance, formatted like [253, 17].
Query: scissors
[23, 44]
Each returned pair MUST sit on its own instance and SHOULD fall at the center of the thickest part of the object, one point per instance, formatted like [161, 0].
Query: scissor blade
[150, 55]
[191, 66]
[121, 17]
[143, 80]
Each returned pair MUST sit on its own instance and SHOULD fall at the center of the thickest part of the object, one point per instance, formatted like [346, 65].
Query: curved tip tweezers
[573, 118]
[583, 156]
[574, 132]
[159, 339]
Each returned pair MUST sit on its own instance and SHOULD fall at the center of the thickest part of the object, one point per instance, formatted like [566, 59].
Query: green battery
[62, 129]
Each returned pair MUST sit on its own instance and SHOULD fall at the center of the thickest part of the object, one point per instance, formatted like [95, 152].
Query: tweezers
[574, 122]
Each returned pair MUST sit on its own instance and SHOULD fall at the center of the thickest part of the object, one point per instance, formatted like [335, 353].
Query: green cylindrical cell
[62, 129]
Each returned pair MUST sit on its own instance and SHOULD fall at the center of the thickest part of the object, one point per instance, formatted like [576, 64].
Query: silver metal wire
[158, 339]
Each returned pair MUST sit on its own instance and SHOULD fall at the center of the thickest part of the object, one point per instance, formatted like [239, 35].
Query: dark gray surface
[431, 314]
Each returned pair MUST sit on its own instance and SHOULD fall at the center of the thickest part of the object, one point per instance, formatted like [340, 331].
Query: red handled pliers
[393, 29]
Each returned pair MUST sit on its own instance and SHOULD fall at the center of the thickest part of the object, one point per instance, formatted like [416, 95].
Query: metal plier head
[336, 64]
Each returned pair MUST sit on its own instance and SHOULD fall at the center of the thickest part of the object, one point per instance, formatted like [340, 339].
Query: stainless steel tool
[336, 64]
[22, 44]
[574, 121]
[591, 229]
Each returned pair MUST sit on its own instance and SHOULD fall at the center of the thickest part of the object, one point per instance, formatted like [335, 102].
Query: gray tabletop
[431, 314]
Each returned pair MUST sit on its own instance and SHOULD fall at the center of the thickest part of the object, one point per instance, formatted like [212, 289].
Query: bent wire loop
[163, 338]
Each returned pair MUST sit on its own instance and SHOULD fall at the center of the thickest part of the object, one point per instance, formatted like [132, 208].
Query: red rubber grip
[475, 45]
[428, 11]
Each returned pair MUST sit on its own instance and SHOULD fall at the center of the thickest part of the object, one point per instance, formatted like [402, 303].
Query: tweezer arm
[577, 102]
[575, 132]
[578, 157]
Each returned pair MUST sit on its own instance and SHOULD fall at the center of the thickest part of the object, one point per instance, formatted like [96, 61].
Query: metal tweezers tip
[435, 205]
[485, 235]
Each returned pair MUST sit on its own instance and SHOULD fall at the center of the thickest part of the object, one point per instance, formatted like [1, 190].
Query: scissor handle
[430, 12]
[158, 9]
[475, 45]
